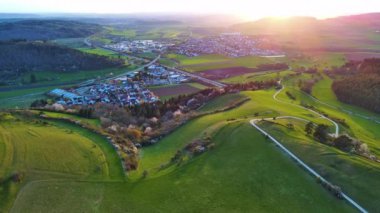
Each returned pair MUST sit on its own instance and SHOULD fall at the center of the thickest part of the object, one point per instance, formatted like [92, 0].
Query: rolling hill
[46, 29]
[17, 58]
[349, 33]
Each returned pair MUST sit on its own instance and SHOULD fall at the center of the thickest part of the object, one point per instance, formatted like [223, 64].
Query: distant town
[228, 44]
[139, 46]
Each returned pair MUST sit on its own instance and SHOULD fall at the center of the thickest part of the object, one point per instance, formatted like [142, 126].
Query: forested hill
[362, 88]
[46, 29]
[20, 57]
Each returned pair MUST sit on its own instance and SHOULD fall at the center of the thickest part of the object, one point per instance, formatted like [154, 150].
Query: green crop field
[22, 98]
[48, 77]
[71, 42]
[49, 151]
[99, 51]
[207, 62]
[259, 76]
[222, 102]
[90, 121]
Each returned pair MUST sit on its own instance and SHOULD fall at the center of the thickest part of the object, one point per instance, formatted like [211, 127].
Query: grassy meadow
[204, 184]
[40, 151]
[208, 62]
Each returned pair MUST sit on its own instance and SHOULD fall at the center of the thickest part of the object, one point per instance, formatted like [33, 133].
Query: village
[228, 44]
[128, 90]
[139, 46]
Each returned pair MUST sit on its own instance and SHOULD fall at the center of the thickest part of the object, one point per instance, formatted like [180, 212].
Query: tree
[344, 143]
[309, 127]
[290, 125]
[38, 103]
[320, 133]
[33, 78]
[145, 174]
[134, 134]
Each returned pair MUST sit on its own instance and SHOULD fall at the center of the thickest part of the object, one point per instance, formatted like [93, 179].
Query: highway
[191, 75]
[88, 43]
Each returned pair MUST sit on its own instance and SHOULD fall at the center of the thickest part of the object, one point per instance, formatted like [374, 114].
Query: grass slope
[208, 182]
[355, 175]
[51, 151]
[243, 173]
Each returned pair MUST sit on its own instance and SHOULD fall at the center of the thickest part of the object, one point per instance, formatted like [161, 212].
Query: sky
[248, 9]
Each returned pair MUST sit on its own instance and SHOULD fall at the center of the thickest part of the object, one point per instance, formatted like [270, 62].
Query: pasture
[209, 62]
[42, 151]
[252, 177]
[168, 91]
[259, 76]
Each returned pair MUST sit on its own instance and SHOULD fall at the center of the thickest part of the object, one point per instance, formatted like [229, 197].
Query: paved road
[205, 80]
[138, 69]
[300, 162]
[87, 42]
[336, 134]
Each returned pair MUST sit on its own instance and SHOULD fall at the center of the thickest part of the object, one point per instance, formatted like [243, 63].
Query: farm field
[71, 42]
[244, 175]
[227, 73]
[103, 52]
[54, 150]
[47, 77]
[22, 98]
[361, 56]
[209, 62]
[91, 121]
[259, 76]
[222, 102]
[168, 91]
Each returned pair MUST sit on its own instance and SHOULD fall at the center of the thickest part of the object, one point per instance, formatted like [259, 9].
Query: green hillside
[243, 173]
[36, 150]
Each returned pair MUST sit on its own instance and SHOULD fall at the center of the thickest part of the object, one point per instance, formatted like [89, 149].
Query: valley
[138, 125]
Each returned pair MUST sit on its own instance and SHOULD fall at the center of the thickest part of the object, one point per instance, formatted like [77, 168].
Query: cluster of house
[139, 46]
[159, 75]
[228, 44]
[123, 91]
[119, 91]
